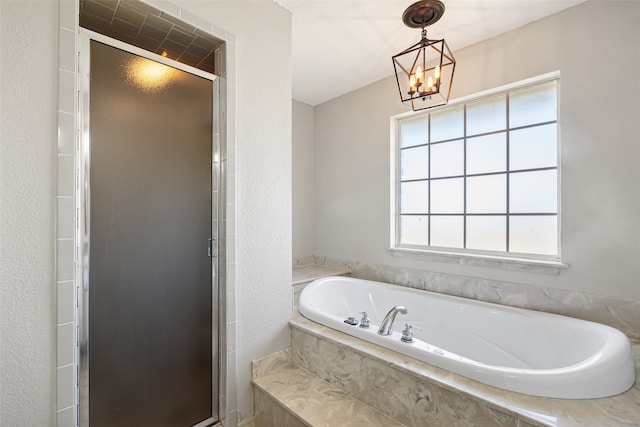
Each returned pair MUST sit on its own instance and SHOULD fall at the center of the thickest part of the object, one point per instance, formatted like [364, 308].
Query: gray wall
[593, 45]
[302, 186]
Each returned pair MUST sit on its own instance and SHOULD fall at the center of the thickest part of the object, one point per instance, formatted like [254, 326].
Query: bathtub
[525, 351]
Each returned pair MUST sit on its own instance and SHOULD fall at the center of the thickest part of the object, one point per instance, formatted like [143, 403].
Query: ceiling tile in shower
[171, 46]
[95, 23]
[190, 59]
[159, 23]
[205, 42]
[152, 32]
[147, 43]
[176, 21]
[130, 15]
[180, 37]
[198, 51]
[141, 25]
[105, 10]
[123, 27]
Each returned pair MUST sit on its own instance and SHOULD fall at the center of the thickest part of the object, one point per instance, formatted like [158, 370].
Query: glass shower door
[151, 335]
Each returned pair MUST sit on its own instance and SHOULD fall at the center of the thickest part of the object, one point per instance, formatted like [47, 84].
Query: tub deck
[343, 357]
[306, 273]
[516, 349]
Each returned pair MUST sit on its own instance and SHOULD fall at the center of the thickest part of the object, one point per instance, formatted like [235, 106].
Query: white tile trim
[66, 259]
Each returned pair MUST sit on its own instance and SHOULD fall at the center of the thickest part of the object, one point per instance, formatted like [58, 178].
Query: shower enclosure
[149, 321]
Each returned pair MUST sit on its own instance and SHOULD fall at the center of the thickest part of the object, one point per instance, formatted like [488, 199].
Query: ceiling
[343, 45]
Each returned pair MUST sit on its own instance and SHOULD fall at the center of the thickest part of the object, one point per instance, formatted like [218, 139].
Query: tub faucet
[386, 328]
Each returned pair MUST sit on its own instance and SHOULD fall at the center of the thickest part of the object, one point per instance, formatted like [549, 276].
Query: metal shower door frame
[83, 192]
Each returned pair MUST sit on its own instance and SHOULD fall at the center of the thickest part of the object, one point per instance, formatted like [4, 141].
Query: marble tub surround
[249, 422]
[289, 396]
[303, 260]
[417, 394]
[620, 314]
[309, 401]
[308, 272]
[270, 363]
[270, 413]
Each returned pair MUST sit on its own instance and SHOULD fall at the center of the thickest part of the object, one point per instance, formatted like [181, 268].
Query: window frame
[500, 259]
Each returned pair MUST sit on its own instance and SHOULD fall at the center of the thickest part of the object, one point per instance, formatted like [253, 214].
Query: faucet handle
[351, 321]
[364, 322]
[407, 334]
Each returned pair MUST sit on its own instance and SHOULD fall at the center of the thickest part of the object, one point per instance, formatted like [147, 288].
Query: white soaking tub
[521, 350]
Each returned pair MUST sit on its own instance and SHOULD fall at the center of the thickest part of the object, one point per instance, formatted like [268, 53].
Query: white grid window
[481, 176]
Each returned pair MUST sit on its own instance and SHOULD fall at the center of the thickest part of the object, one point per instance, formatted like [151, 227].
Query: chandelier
[424, 71]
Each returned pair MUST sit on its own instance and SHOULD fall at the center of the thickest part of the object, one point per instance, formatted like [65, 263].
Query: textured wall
[28, 62]
[599, 91]
[263, 193]
[28, 189]
[302, 175]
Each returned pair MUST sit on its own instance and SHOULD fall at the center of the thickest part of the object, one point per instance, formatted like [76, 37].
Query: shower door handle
[212, 248]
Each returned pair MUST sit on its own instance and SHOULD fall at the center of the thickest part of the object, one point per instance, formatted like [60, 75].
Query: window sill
[541, 266]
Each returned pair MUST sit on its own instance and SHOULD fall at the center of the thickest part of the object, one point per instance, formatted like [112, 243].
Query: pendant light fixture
[424, 71]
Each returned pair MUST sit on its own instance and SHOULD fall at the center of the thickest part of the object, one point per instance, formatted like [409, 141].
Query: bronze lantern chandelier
[424, 71]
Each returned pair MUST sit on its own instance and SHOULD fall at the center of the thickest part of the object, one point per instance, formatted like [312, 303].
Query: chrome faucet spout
[386, 327]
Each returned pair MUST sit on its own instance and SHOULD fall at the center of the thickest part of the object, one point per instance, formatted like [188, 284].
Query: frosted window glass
[533, 234]
[487, 233]
[447, 196]
[414, 163]
[487, 194]
[447, 159]
[534, 147]
[414, 131]
[414, 230]
[475, 174]
[487, 154]
[533, 105]
[414, 197]
[533, 192]
[447, 124]
[488, 115]
[447, 231]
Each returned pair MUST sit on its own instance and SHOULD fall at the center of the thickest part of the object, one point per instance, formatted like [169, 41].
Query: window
[481, 176]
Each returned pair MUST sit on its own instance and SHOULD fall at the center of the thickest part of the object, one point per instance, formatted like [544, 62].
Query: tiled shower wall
[67, 252]
[66, 362]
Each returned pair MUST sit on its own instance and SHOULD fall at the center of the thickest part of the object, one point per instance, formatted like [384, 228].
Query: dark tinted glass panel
[150, 291]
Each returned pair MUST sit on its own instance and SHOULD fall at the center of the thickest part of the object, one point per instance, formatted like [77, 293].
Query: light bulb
[149, 75]
[412, 83]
